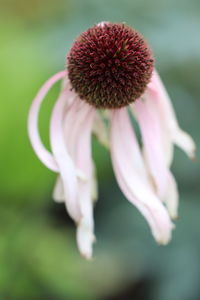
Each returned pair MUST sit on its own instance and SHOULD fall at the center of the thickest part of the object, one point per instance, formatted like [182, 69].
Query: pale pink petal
[171, 197]
[72, 118]
[85, 230]
[184, 141]
[100, 130]
[153, 147]
[157, 219]
[44, 155]
[70, 114]
[66, 166]
[80, 141]
[94, 184]
[75, 115]
[154, 141]
[159, 125]
[179, 137]
[131, 175]
[58, 192]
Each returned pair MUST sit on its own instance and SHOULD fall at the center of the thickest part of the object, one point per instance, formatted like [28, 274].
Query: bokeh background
[38, 255]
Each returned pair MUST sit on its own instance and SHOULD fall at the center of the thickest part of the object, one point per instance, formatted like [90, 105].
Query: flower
[110, 70]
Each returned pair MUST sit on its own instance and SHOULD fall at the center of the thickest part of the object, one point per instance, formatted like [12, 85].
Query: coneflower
[110, 70]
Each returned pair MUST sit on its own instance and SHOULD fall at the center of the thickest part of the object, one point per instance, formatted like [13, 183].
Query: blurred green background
[38, 254]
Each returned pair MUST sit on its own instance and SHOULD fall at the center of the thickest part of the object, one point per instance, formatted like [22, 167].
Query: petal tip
[173, 213]
[87, 256]
[164, 238]
[193, 156]
[85, 240]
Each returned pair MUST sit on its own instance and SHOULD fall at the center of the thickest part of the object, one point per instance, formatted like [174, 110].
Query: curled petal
[131, 175]
[179, 137]
[66, 166]
[44, 155]
[184, 141]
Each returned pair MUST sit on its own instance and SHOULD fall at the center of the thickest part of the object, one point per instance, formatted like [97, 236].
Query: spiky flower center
[110, 65]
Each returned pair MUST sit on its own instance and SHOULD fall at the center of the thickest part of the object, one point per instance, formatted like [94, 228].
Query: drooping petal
[100, 130]
[44, 155]
[58, 192]
[157, 147]
[158, 150]
[171, 197]
[64, 161]
[94, 184]
[79, 139]
[85, 230]
[179, 137]
[153, 147]
[71, 123]
[131, 175]
[184, 141]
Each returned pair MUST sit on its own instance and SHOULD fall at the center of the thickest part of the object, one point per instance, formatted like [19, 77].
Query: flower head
[110, 67]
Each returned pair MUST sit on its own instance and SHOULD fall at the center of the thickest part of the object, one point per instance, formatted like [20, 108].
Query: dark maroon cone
[110, 65]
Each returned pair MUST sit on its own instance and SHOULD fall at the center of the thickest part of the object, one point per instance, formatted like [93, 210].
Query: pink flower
[110, 71]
